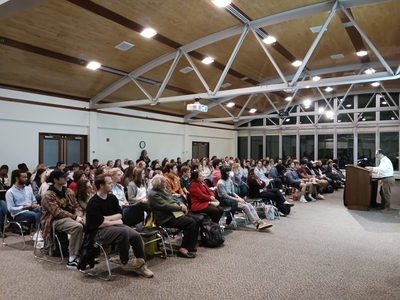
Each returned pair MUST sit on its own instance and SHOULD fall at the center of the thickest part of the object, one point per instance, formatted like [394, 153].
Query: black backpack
[210, 234]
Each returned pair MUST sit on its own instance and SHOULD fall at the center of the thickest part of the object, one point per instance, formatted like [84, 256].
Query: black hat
[57, 174]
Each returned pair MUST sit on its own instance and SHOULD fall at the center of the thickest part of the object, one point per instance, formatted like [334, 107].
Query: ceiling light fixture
[288, 119]
[297, 63]
[361, 53]
[329, 114]
[369, 71]
[269, 40]
[253, 110]
[375, 84]
[221, 3]
[316, 78]
[329, 89]
[321, 110]
[93, 65]
[348, 105]
[148, 33]
[307, 102]
[288, 98]
[384, 102]
[208, 60]
[230, 104]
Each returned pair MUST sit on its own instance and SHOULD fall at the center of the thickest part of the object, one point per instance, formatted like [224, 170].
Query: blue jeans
[3, 211]
[31, 216]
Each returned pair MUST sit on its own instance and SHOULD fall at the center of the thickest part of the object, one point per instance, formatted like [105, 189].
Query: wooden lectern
[357, 193]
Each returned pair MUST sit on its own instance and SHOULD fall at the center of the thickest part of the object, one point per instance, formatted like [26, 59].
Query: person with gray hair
[385, 174]
[168, 212]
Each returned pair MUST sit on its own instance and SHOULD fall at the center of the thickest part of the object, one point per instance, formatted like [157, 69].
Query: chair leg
[45, 257]
[109, 275]
[22, 234]
[169, 240]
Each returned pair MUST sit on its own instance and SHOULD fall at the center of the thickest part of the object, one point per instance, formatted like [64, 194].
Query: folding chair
[132, 215]
[56, 242]
[21, 225]
[90, 272]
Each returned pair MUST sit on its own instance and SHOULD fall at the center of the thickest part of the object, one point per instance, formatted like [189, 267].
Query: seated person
[227, 194]
[184, 180]
[303, 174]
[295, 181]
[61, 209]
[78, 175]
[83, 193]
[239, 184]
[200, 197]
[257, 189]
[260, 173]
[173, 183]
[137, 193]
[104, 225]
[21, 203]
[322, 182]
[168, 212]
[216, 173]
[117, 189]
[3, 213]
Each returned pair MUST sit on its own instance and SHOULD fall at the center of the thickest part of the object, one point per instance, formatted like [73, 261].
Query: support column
[92, 133]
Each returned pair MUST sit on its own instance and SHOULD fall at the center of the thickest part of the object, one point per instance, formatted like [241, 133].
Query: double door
[62, 147]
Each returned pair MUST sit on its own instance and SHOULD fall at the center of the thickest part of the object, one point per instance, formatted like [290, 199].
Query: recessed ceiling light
[208, 60]
[186, 70]
[339, 121]
[297, 63]
[316, 78]
[329, 114]
[269, 40]
[124, 46]
[253, 110]
[375, 84]
[321, 110]
[230, 104]
[307, 106]
[369, 71]
[329, 89]
[307, 102]
[337, 56]
[93, 65]
[148, 33]
[244, 78]
[361, 53]
[307, 86]
[288, 98]
[225, 85]
[221, 3]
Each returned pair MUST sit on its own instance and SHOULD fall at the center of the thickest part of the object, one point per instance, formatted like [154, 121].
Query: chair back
[132, 214]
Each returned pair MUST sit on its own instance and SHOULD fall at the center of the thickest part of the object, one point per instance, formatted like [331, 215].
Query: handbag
[214, 203]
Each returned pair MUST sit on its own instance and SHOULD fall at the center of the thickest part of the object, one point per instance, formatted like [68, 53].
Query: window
[366, 148]
[200, 149]
[242, 147]
[390, 144]
[289, 146]
[307, 147]
[257, 147]
[345, 149]
[325, 146]
[272, 146]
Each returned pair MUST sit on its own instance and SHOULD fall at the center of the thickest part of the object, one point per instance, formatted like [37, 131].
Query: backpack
[328, 189]
[210, 234]
[270, 212]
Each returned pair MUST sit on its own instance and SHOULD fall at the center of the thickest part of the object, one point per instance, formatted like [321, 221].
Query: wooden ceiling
[45, 49]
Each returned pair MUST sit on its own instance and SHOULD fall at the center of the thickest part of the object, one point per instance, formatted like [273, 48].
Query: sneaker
[133, 264]
[303, 199]
[262, 225]
[320, 197]
[115, 259]
[73, 264]
[281, 214]
[143, 271]
[312, 198]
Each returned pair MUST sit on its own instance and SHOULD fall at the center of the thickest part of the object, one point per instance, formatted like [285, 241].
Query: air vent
[244, 78]
[225, 85]
[186, 70]
[337, 56]
[124, 46]
[317, 29]
[349, 73]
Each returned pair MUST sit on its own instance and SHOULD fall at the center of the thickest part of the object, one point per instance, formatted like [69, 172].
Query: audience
[137, 192]
[4, 180]
[117, 189]
[83, 193]
[173, 183]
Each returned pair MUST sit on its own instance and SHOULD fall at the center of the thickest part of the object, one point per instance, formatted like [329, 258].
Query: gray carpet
[320, 251]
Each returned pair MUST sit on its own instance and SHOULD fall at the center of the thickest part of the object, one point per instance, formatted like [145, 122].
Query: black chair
[58, 239]
[133, 215]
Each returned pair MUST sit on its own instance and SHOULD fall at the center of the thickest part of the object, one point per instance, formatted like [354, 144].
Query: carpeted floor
[320, 251]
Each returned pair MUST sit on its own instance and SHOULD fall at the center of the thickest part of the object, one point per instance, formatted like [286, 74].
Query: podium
[357, 193]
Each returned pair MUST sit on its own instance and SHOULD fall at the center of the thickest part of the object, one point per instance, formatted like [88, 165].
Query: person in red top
[200, 197]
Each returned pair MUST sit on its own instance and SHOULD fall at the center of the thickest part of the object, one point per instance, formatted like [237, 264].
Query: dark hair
[4, 167]
[195, 167]
[16, 173]
[137, 177]
[23, 167]
[98, 172]
[225, 172]
[95, 160]
[38, 176]
[185, 169]
[194, 176]
[251, 175]
[59, 163]
[75, 165]
[77, 175]
[303, 162]
[100, 180]
[80, 190]
[216, 162]
[380, 151]
[169, 167]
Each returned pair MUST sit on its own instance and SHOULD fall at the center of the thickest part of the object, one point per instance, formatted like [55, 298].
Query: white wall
[22, 121]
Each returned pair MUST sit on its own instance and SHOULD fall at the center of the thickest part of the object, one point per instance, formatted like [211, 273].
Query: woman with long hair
[201, 196]
[117, 189]
[118, 164]
[238, 182]
[83, 193]
[137, 192]
[257, 189]
[228, 197]
[128, 176]
[37, 181]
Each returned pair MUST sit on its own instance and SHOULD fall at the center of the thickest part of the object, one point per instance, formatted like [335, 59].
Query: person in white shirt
[385, 174]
